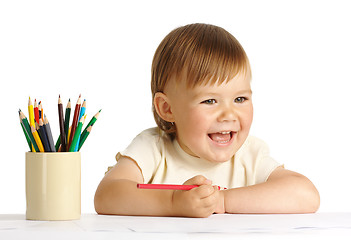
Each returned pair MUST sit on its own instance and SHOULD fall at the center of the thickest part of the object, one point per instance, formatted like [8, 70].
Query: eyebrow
[249, 91]
[201, 94]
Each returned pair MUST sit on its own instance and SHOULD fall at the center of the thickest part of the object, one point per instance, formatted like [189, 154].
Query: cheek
[247, 118]
[194, 122]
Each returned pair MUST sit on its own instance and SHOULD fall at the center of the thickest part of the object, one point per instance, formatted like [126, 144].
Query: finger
[198, 180]
[211, 200]
[203, 191]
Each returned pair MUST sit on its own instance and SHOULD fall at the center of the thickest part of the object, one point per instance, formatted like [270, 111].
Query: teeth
[224, 132]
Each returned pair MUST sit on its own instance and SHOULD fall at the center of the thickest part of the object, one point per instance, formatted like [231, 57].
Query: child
[202, 104]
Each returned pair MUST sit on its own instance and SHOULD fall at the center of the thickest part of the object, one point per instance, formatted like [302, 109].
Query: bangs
[213, 56]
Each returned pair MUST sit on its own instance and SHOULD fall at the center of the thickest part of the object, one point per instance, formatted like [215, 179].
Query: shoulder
[148, 144]
[152, 136]
[254, 155]
[253, 150]
[147, 150]
[253, 145]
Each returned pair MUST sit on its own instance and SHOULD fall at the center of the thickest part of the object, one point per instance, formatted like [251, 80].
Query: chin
[220, 159]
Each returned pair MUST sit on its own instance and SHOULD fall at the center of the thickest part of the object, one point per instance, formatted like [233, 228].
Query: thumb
[198, 180]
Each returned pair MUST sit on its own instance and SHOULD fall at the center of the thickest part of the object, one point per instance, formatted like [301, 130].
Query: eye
[209, 101]
[240, 99]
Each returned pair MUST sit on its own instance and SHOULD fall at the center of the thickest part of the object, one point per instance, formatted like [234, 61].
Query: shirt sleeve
[265, 164]
[145, 151]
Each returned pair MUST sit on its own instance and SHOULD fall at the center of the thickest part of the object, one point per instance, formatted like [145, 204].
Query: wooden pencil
[77, 134]
[75, 120]
[28, 130]
[40, 110]
[43, 136]
[31, 113]
[67, 118]
[36, 111]
[83, 138]
[37, 139]
[26, 135]
[91, 122]
[62, 127]
[81, 114]
[49, 134]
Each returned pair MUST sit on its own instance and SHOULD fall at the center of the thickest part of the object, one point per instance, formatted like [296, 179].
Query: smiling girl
[202, 104]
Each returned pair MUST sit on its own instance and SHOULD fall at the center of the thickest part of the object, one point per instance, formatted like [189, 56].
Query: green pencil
[92, 121]
[77, 134]
[26, 135]
[83, 138]
[28, 130]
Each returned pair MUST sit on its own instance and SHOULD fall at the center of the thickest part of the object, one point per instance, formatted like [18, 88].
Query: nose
[227, 113]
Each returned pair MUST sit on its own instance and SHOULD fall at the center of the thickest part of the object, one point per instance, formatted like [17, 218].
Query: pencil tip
[100, 110]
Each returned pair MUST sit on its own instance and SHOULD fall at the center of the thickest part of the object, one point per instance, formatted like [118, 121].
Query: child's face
[212, 121]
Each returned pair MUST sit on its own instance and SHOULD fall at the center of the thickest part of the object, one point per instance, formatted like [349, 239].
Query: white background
[300, 56]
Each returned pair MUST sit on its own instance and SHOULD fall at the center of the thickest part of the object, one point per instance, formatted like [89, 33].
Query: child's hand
[201, 201]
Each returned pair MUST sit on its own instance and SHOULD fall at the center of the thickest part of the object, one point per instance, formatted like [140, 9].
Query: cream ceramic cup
[53, 186]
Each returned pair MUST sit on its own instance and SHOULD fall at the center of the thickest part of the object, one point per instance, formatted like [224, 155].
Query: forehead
[240, 83]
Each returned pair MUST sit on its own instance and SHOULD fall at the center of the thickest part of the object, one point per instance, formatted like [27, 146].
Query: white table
[222, 226]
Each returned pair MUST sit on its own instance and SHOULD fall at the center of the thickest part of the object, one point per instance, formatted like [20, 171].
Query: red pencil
[169, 186]
[36, 111]
[74, 121]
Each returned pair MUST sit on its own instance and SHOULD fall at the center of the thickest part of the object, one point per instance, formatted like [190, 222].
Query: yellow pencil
[31, 116]
[37, 139]
[31, 113]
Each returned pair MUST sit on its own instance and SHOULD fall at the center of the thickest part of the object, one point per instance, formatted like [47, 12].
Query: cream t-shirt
[162, 160]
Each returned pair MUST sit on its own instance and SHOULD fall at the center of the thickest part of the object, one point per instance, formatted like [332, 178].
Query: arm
[117, 193]
[284, 192]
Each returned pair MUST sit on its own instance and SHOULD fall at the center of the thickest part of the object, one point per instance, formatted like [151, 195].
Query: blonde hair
[203, 53]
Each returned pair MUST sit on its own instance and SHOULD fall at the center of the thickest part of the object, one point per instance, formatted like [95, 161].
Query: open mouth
[221, 137]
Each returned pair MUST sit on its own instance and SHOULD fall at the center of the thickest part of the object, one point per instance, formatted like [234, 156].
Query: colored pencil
[26, 135]
[36, 111]
[62, 128]
[77, 134]
[49, 134]
[67, 117]
[28, 130]
[58, 143]
[75, 120]
[31, 113]
[37, 130]
[169, 186]
[81, 114]
[37, 139]
[41, 110]
[43, 136]
[91, 122]
[83, 138]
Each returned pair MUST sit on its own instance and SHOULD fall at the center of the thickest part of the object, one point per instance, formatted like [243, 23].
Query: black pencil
[49, 134]
[62, 125]
[43, 136]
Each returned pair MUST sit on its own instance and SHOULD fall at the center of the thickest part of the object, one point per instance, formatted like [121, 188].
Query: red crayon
[169, 186]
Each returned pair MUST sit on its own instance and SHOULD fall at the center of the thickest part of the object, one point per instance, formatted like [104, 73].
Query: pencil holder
[53, 186]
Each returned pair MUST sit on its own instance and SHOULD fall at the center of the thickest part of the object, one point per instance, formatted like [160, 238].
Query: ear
[163, 107]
